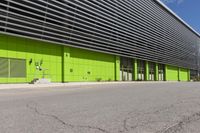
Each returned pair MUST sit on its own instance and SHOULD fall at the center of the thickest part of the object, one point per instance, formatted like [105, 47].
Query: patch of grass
[98, 79]
[109, 79]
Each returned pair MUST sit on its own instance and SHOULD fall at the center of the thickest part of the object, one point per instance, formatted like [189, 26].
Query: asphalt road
[109, 108]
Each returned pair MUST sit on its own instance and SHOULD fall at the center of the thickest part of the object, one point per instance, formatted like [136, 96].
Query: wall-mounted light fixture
[30, 61]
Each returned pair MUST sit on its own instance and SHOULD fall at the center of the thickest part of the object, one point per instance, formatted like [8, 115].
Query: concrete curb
[26, 85]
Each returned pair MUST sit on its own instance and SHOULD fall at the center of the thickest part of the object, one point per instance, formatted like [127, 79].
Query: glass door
[151, 71]
[126, 69]
[141, 70]
[161, 72]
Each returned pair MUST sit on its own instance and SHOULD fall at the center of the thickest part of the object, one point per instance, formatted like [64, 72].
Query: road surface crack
[179, 125]
[127, 128]
[35, 109]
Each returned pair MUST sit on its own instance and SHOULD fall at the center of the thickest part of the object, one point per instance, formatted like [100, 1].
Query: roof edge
[176, 16]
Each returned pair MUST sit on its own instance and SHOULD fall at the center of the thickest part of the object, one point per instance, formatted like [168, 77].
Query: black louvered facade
[141, 29]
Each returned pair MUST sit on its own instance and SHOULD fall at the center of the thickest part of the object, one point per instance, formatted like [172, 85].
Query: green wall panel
[146, 70]
[84, 65]
[171, 73]
[135, 70]
[188, 74]
[117, 68]
[156, 72]
[22, 48]
[183, 74]
[66, 64]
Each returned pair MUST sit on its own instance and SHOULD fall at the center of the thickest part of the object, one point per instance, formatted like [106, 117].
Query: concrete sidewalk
[26, 85]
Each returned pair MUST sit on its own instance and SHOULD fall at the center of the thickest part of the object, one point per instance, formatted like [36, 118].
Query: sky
[188, 10]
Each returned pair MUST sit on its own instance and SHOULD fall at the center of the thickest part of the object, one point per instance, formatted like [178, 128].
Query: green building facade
[23, 59]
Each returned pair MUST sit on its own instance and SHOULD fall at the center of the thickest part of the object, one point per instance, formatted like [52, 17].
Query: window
[12, 68]
[17, 68]
[3, 67]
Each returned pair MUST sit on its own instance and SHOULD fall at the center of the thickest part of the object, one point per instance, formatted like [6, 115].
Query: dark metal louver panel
[133, 28]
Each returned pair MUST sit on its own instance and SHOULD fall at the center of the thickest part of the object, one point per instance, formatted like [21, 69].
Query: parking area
[160, 107]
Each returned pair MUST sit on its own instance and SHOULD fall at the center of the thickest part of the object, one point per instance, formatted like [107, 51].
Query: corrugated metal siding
[133, 28]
